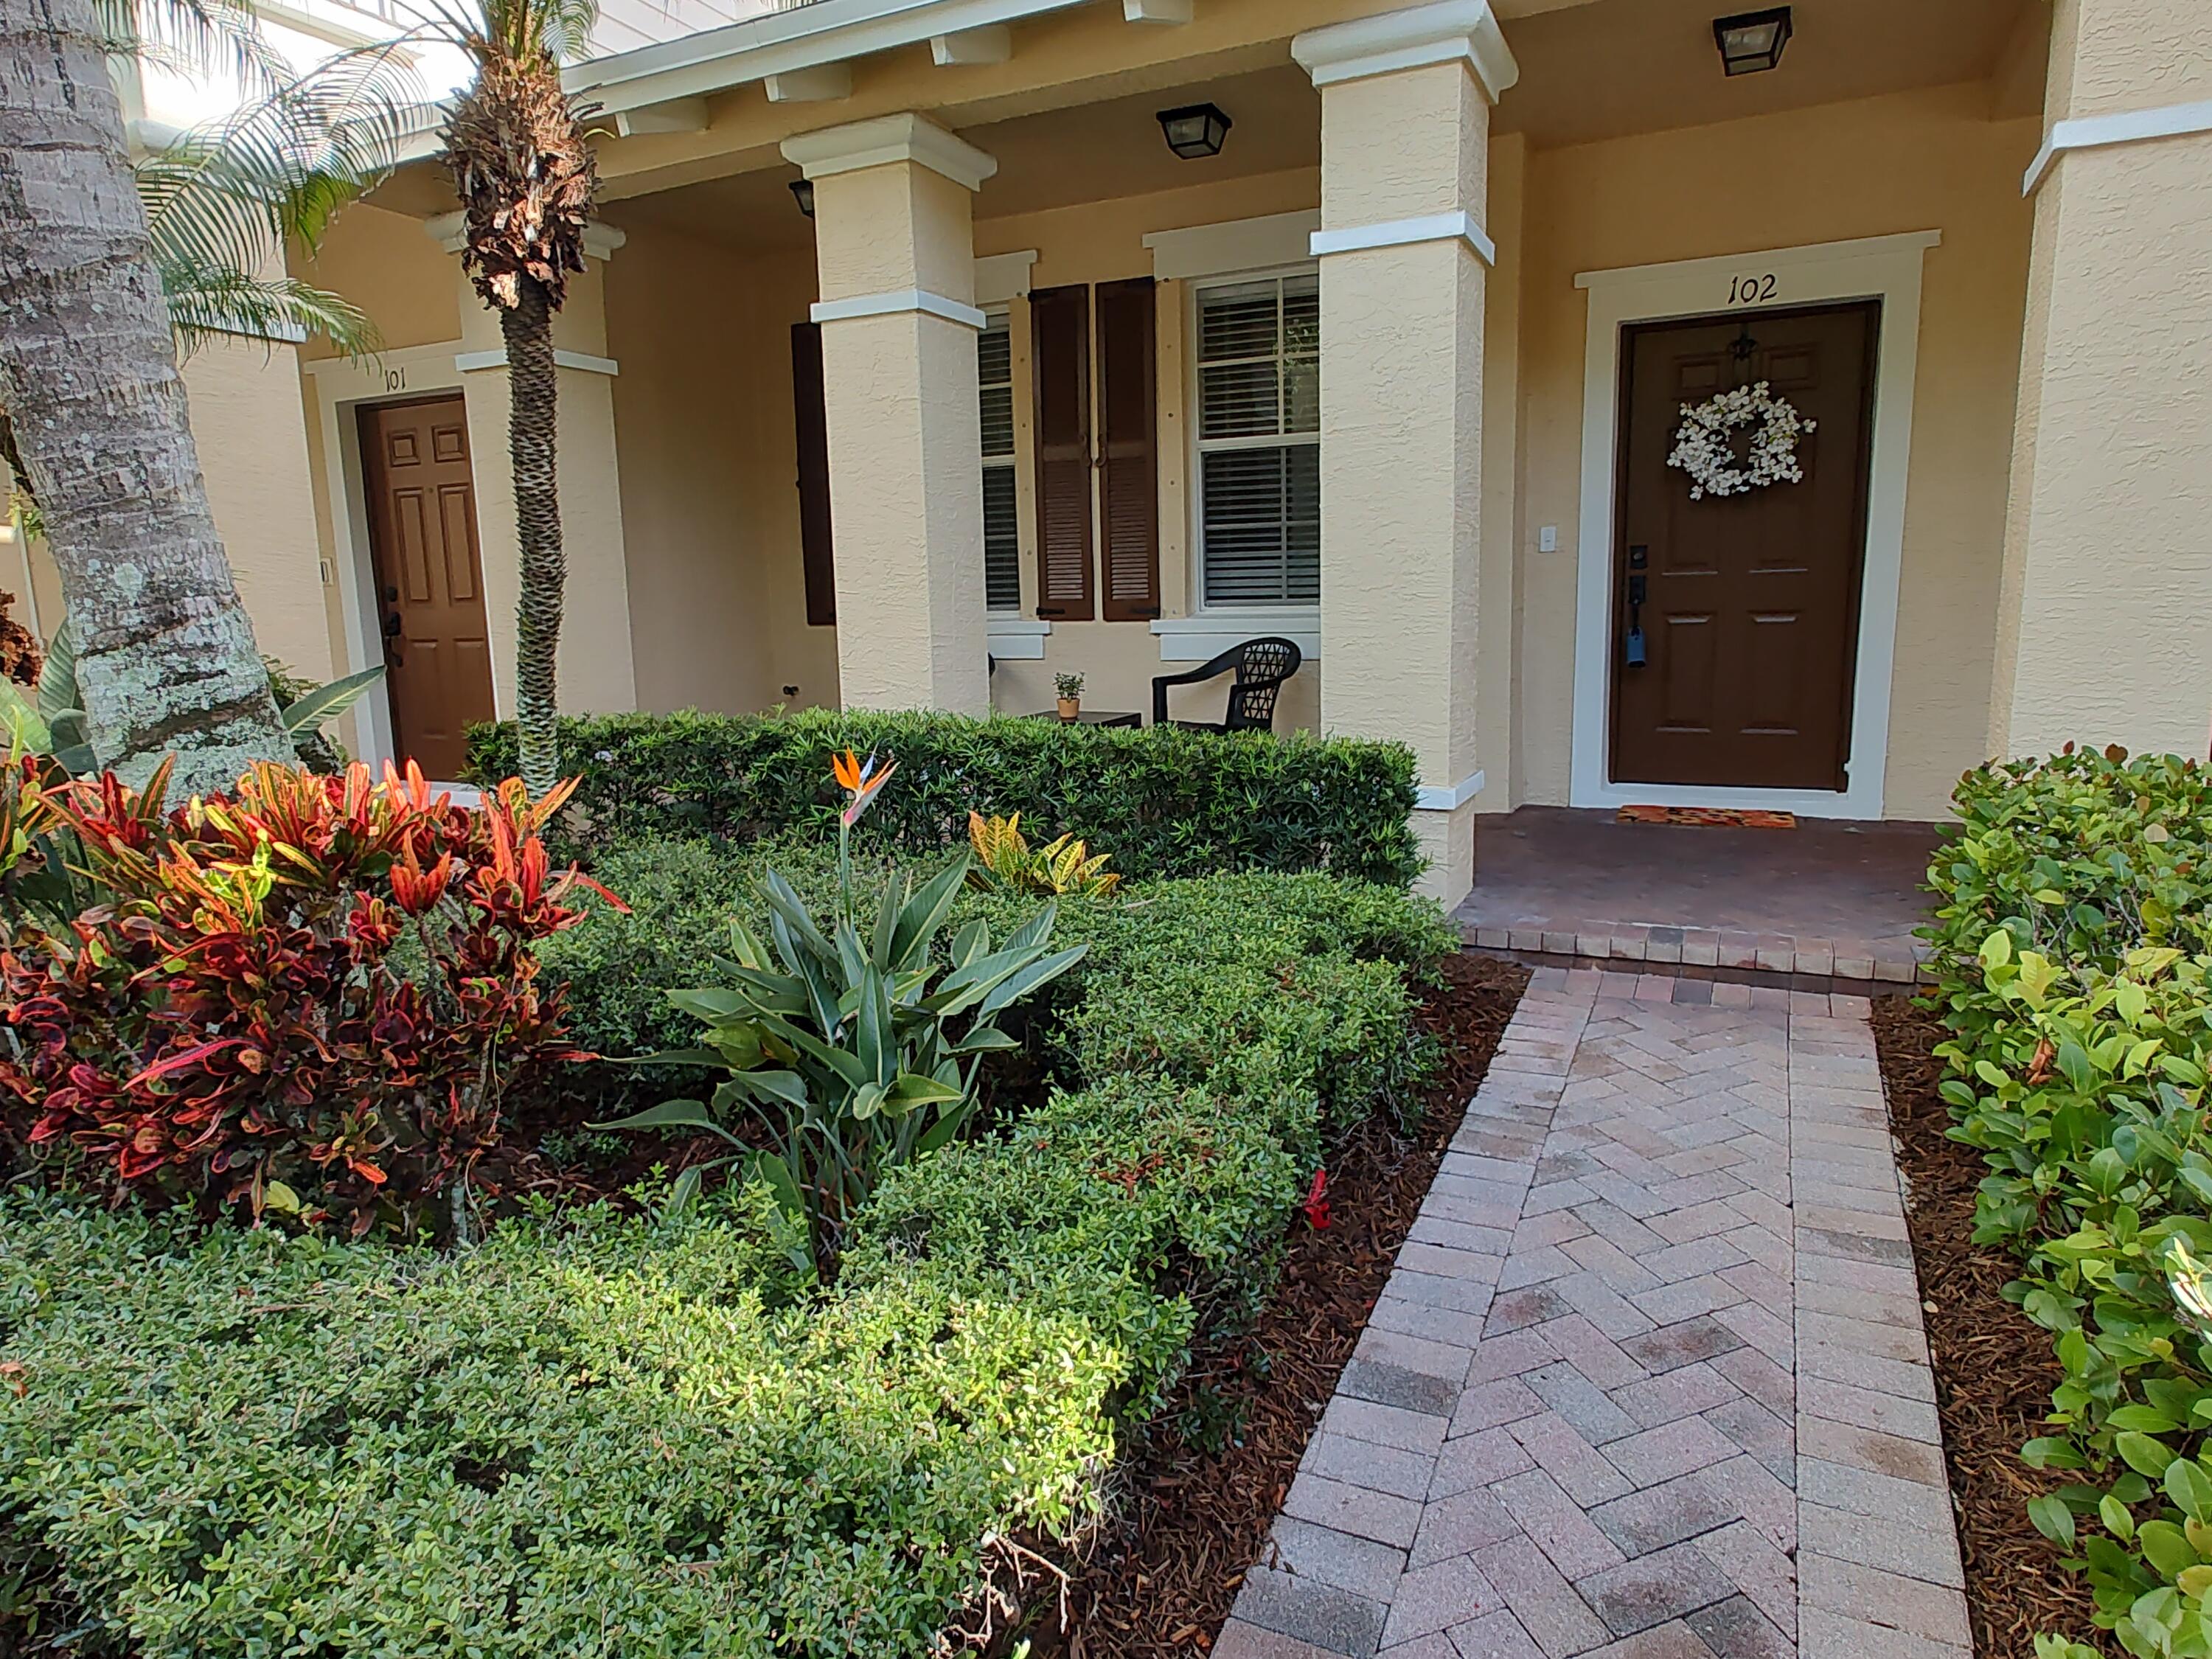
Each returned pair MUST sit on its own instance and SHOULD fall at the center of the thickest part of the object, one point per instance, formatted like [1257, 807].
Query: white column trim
[884, 140]
[1436, 797]
[2124, 127]
[1886, 268]
[1458, 226]
[1442, 32]
[899, 300]
[469, 362]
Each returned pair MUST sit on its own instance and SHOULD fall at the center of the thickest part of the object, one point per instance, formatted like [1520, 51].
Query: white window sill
[1015, 638]
[1207, 635]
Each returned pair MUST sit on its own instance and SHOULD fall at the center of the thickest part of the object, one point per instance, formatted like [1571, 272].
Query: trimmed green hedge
[1164, 802]
[600, 1435]
[2075, 910]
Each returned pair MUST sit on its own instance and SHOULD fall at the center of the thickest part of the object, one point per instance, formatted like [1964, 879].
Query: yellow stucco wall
[710, 508]
[1913, 161]
[2112, 470]
[259, 490]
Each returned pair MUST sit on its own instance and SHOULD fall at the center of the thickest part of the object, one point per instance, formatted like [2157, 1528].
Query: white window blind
[994, 375]
[1259, 441]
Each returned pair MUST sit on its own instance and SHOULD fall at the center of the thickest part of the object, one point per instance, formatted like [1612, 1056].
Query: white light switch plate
[1547, 539]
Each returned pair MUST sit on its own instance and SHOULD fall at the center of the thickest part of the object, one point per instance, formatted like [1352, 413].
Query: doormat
[1707, 817]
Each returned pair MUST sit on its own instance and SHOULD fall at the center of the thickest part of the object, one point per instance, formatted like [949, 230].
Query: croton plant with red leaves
[312, 995]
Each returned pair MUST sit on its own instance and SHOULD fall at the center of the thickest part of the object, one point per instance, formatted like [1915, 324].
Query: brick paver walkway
[1647, 1381]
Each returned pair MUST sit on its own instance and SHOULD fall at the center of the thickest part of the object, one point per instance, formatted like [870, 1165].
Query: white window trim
[1002, 278]
[1204, 637]
[1885, 268]
[1208, 630]
[1011, 462]
[339, 386]
[1234, 248]
[1013, 637]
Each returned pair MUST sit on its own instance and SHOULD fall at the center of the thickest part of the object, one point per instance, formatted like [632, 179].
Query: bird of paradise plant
[855, 1051]
[862, 782]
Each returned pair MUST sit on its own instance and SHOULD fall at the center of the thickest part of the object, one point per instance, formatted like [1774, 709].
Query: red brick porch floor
[1830, 900]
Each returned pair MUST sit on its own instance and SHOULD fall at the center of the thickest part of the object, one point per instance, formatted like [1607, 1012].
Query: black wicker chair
[1260, 667]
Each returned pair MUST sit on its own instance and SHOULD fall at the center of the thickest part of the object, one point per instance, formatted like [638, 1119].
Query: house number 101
[1751, 290]
[395, 380]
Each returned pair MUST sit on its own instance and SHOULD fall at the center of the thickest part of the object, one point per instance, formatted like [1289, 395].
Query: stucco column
[895, 256]
[1405, 101]
[2101, 635]
[597, 666]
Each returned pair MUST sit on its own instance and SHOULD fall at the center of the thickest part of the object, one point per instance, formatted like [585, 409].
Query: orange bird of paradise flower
[861, 780]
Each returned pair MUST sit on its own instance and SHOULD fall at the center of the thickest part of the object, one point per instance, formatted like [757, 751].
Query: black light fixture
[1751, 41]
[802, 191]
[1195, 131]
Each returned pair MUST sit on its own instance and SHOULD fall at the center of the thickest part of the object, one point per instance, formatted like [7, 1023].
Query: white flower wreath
[1703, 450]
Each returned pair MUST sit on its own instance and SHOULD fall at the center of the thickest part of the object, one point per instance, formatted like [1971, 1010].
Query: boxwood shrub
[2074, 899]
[1175, 803]
[633, 1433]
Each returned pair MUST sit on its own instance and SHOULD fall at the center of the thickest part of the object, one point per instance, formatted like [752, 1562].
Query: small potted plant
[1070, 687]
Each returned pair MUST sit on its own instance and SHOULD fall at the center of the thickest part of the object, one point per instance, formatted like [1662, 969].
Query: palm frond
[206, 38]
[208, 301]
[517, 30]
[237, 190]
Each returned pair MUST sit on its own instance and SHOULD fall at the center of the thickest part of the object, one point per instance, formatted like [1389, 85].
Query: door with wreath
[1744, 456]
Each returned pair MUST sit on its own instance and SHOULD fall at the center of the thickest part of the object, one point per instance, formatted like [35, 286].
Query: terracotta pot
[1070, 707]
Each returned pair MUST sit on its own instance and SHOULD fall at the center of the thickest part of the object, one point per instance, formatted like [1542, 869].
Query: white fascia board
[827, 32]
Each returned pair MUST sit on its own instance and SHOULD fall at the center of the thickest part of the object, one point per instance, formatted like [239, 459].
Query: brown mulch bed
[1160, 1577]
[1994, 1368]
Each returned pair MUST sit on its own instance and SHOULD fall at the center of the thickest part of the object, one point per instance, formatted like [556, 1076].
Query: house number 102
[1751, 290]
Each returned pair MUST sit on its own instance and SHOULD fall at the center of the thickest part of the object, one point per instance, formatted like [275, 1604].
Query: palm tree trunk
[528, 327]
[89, 377]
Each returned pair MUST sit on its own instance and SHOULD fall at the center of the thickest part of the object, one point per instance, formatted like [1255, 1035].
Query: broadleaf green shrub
[597, 1434]
[1162, 802]
[2071, 956]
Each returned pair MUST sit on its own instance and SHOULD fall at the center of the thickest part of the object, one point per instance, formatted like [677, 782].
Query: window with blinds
[1259, 441]
[1002, 547]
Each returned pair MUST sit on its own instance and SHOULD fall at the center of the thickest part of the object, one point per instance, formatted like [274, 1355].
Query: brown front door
[429, 577]
[1748, 612]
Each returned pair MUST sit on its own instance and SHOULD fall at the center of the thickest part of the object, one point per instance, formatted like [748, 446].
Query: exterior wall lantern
[1751, 41]
[802, 191]
[1196, 131]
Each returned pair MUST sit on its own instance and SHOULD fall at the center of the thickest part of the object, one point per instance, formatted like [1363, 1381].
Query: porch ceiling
[1618, 67]
[1061, 158]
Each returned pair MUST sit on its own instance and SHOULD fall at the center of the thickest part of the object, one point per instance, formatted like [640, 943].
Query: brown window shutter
[1060, 330]
[814, 523]
[1129, 494]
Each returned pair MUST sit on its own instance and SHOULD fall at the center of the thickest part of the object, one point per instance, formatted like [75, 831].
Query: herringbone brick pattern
[1647, 1381]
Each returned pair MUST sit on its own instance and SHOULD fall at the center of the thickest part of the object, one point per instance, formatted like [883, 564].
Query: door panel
[1750, 613]
[429, 578]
